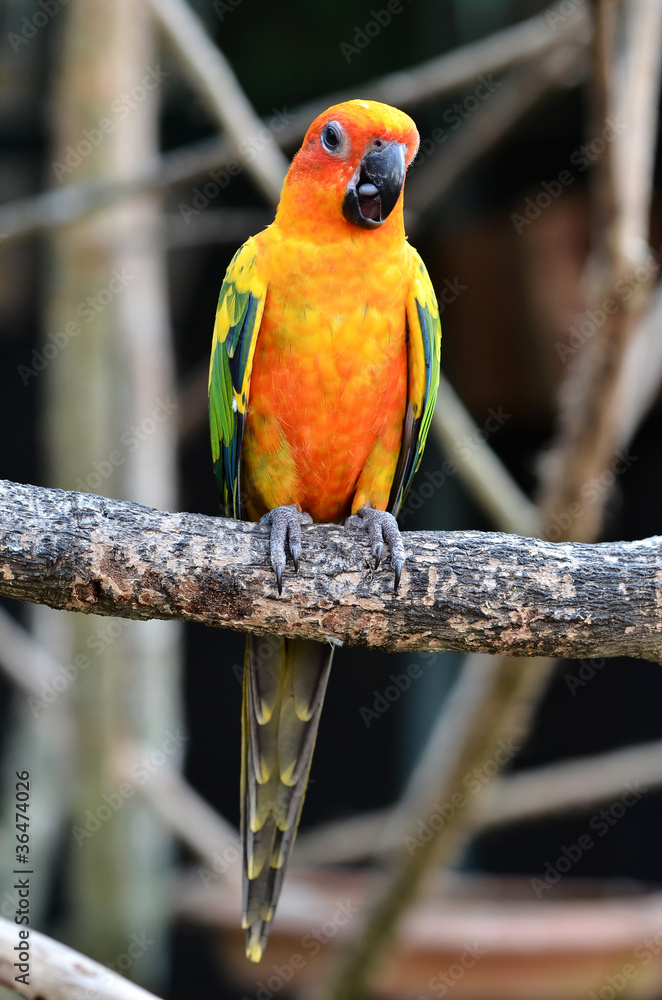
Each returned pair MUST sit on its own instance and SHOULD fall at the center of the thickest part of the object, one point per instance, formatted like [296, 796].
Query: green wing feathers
[238, 317]
[424, 358]
[284, 685]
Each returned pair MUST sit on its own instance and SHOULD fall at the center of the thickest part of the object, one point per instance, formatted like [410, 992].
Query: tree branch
[465, 591]
[60, 973]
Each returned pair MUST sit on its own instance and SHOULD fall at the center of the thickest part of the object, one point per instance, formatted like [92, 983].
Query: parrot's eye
[332, 136]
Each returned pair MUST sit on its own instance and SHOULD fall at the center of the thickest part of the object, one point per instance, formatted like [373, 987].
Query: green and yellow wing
[424, 357]
[238, 317]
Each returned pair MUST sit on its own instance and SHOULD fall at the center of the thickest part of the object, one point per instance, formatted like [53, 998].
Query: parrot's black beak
[373, 191]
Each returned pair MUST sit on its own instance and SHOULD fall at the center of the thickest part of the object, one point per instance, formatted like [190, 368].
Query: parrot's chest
[329, 384]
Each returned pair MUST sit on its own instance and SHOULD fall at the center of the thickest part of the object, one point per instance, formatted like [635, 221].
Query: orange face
[349, 173]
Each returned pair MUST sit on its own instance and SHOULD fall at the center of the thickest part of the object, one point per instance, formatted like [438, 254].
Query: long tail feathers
[284, 686]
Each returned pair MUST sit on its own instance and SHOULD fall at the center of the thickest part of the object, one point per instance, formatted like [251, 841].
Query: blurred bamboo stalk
[109, 427]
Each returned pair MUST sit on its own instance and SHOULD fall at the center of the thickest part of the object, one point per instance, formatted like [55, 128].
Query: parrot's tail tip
[254, 944]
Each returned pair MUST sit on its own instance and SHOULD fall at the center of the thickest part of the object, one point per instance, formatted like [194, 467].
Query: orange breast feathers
[329, 382]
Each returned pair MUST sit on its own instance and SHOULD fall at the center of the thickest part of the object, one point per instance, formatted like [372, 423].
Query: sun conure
[323, 378]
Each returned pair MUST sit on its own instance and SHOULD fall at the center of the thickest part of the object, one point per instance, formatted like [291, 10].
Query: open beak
[373, 191]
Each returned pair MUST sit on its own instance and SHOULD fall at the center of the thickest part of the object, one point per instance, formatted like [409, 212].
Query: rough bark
[466, 591]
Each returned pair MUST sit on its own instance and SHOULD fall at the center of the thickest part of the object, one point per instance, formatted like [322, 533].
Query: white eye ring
[332, 137]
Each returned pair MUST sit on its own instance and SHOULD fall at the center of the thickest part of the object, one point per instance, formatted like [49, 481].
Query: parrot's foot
[285, 525]
[382, 527]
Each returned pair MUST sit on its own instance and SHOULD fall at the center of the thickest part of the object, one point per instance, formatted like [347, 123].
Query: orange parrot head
[349, 174]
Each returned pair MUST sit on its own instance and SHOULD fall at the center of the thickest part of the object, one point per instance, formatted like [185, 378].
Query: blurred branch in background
[483, 473]
[39, 732]
[516, 96]
[529, 40]
[571, 786]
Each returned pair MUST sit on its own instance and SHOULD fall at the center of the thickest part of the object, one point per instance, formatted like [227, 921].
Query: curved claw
[285, 523]
[382, 527]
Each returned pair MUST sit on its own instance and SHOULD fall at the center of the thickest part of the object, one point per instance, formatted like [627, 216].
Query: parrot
[323, 378]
